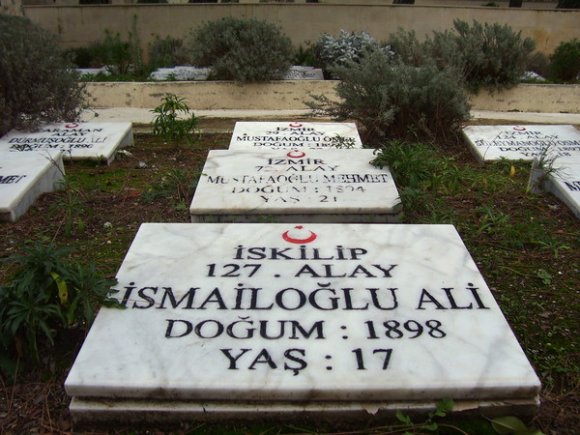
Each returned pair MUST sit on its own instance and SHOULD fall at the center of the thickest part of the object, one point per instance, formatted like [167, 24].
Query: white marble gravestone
[522, 142]
[564, 183]
[24, 177]
[82, 140]
[289, 135]
[298, 72]
[181, 73]
[312, 185]
[105, 71]
[259, 319]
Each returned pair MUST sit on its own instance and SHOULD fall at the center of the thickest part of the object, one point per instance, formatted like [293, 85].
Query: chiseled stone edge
[85, 410]
[271, 216]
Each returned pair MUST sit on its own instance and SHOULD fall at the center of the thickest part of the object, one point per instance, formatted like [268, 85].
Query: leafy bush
[81, 57]
[173, 121]
[486, 55]
[394, 100]
[166, 52]
[119, 56]
[347, 48]
[539, 63]
[407, 48]
[568, 4]
[306, 56]
[245, 50]
[36, 82]
[492, 55]
[46, 294]
[565, 61]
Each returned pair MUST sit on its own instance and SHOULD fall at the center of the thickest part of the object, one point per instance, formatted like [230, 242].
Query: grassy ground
[526, 245]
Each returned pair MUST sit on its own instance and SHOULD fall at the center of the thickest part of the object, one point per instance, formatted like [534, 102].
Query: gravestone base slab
[85, 410]
[378, 218]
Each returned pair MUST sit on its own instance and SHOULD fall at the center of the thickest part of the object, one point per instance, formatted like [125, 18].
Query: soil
[98, 216]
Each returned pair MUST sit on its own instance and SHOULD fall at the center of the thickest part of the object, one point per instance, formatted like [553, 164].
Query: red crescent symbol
[308, 239]
[295, 154]
[520, 128]
[72, 125]
[295, 125]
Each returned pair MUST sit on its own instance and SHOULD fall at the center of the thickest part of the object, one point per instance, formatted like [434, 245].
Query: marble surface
[323, 185]
[304, 73]
[522, 142]
[565, 183]
[94, 71]
[24, 177]
[321, 312]
[202, 73]
[289, 135]
[181, 73]
[77, 141]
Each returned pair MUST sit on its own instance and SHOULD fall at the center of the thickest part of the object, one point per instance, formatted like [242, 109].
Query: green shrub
[46, 294]
[306, 56]
[245, 50]
[568, 4]
[346, 48]
[492, 55]
[394, 100]
[166, 52]
[485, 55]
[565, 61]
[36, 82]
[121, 57]
[82, 57]
[407, 48]
[539, 63]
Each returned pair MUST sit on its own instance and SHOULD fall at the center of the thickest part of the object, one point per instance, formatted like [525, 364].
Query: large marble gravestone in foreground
[290, 135]
[77, 141]
[522, 142]
[24, 177]
[229, 319]
[323, 185]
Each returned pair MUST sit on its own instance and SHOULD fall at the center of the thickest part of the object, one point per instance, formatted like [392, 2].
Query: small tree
[37, 82]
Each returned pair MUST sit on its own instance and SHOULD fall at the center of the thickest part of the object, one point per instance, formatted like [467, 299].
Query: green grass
[527, 252]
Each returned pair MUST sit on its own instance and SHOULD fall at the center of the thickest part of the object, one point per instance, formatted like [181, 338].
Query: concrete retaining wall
[80, 25]
[292, 94]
